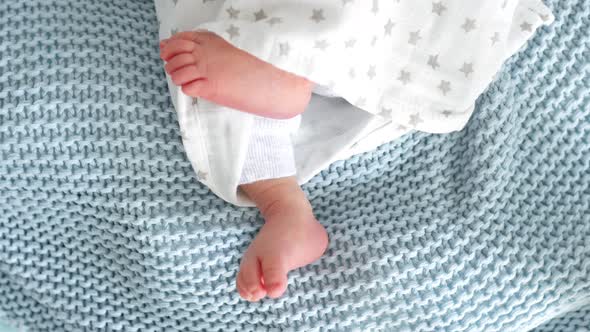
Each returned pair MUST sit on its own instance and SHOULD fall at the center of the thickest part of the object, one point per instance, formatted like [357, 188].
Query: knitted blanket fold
[104, 226]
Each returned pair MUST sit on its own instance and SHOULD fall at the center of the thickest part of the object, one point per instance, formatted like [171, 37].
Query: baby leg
[290, 238]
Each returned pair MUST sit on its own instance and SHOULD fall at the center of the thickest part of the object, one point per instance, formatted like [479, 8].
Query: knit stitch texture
[104, 227]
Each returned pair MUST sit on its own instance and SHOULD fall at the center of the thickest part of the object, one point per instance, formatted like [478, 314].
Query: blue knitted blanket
[103, 225]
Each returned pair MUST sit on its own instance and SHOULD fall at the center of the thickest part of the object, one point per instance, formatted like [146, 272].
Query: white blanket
[399, 65]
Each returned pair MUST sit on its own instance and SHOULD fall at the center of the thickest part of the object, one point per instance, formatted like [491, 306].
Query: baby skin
[204, 65]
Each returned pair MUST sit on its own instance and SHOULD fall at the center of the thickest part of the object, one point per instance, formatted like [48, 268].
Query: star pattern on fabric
[526, 26]
[233, 31]
[318, 15]
[232, 12]
[389, 27]
[445, 87]
[415, 119]
[438, 8]
[495, 38]
[405, 77]
[414, 37]
[321, 44]
[274, 20]
[173, 31]
[350, 43]
[374, 41]
[284, 49]
[469, 25]
[260, 15]
[375, 8]
[175, 2]
[433, 61]
[467, 69]
[385, 112]
[447, 113]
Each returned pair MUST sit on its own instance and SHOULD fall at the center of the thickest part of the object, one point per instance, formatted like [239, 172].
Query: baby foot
[290, 238]
[207, 66]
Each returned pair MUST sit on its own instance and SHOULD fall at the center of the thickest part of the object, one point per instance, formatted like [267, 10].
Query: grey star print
[389, 27]
[445, 87]
[526, 26]
[469, 25]
[374, 41]
[274, 20]
[415, 119]
[284, 49]
[232, 12]
[260, 15]
[233, 31]
[350, 43]
[467, 69]
[495, 38]
[321, 44]
[447, 113]
[438, 8]
[405, 77]
[318, 15]
[385, 112]
[375, 9]
[414, 37]
[433, 62]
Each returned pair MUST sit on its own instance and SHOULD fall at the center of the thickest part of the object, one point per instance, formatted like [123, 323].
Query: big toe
[274, 274]
[249, 279]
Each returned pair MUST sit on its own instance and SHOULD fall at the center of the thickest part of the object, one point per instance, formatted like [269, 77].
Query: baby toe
[249, 284]
[182, 35]
[174, 47]
[185, 75]
[275, 276]
[242, 290]
[179, 61]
